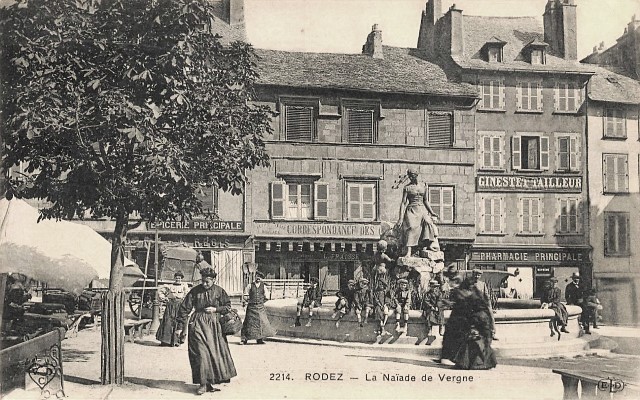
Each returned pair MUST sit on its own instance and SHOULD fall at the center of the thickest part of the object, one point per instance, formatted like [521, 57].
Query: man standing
[573, 292]
[256, 324]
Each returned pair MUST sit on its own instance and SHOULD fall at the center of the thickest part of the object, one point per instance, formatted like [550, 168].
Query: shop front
[332, 252]
[531, 267]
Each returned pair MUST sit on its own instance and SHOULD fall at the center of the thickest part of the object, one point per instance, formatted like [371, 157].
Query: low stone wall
[514, 326]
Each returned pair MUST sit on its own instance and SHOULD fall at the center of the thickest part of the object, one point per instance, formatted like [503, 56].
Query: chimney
[235, 12]
[457, 31]
[373, 46]
[430, 16]
[560, 28]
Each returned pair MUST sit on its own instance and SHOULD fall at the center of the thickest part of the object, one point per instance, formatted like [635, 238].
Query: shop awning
[179, 252]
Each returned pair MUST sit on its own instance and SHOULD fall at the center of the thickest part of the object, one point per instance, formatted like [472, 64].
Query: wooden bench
[136, 328]
[598, 384]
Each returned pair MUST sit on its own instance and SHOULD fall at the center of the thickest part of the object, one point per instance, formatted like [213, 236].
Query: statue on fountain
[417, 228]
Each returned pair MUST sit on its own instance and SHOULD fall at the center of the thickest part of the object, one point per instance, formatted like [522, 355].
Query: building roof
[402, 70]
[518, 32]
[609, 86]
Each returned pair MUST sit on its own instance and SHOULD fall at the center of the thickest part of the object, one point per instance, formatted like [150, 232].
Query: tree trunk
[112, 356]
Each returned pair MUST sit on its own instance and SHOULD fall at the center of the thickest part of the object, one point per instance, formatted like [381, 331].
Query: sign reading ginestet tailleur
[198, 225]
[317, 230]
[536, 183]
[551, 256]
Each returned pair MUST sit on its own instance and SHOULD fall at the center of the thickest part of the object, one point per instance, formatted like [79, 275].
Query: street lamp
[155, 309]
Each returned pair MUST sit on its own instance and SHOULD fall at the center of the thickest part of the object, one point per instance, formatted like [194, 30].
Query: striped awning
[329, 246]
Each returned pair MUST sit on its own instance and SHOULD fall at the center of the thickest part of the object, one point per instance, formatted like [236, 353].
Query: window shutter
[501, 88]
[574, 150]
[573, 216]
[625, 234]
[497, 151]
[563, 153]
[622, 174]
[544, 152]
[277, 199]
[556, 97]
[539, 95]
[435, 200]
[368, 201]
[447, 205]
[516, 153]
[440, 129]
[353, 200]
[563, 216]
[360, 126]
[519, 95]
[523, 215]
[607, 226]
[485, 151]
[299, 123]
[321, 200]
[540, 218]
[572, 97]
[500, 210]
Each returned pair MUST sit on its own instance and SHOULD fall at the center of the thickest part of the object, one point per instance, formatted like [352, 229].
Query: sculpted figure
[416, 215]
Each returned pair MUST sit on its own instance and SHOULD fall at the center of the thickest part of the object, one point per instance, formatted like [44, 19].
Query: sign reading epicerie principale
[317, 230]
[536, 183]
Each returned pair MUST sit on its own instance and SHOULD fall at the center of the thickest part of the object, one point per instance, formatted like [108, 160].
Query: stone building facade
[348, 127]
[530, 138]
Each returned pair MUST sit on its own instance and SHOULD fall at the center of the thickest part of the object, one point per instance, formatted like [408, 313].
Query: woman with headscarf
[172, 294]
[256, 325]
[209, 353]
[416, 215]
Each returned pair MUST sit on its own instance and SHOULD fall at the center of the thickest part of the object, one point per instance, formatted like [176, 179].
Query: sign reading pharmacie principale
[326, 230]
[529, 183]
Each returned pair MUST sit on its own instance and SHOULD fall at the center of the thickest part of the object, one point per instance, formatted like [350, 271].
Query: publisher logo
[611, 385]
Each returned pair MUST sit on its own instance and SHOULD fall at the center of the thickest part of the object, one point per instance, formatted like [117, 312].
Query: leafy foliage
[123, 106]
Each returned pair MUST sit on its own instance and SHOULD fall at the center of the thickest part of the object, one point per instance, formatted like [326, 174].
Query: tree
[121, 107]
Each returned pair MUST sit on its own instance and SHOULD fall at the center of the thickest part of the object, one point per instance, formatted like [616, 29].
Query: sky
[341, 26]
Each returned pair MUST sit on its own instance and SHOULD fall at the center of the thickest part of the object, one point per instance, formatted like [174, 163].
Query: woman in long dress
[256, 325]
[416, 218]
[172, 294]
[209, 354]
[551, 299]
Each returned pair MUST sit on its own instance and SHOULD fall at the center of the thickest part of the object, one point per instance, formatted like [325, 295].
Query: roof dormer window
[537, 52]
[493, 50]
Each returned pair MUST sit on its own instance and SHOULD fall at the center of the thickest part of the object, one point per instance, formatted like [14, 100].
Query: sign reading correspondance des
[530, 183]
[315, 230]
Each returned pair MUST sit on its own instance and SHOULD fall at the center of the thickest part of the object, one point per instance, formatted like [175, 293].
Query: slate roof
[402, 70]
[609, 86]
[517, 32]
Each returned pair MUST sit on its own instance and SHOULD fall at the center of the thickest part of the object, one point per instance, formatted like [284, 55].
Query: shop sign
[529, 183]
[543, 270]
[330, 256]
[536, 256]
[198, 225]
[317, 230]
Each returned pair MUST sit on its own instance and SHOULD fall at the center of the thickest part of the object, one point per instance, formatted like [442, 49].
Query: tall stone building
[530, 167]
[348, 126]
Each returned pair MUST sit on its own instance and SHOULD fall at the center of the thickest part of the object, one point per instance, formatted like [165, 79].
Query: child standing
[432, 309]
[403, 304]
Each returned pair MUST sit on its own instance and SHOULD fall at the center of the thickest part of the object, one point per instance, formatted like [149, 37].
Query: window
[491, 148]
[361, 123]
[492, 210]
[530, 152]
[616, 234]
[491, 95]
[494, 53]
[614, 123]
[439, 129]
[568, 155]
[361, 201]
[537, 56]
[441, 199]
[299, 199]
[531, 216]
[568, 216]
[567, 97]
[615, 173]
[299, 119]
[209, 198]
[529, 96]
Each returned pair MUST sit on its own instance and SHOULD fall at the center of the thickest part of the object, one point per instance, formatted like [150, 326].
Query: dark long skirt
[209, 354]
[561, 313]
[454, 336]
[476, 352]
[166, 333]
[256, 324]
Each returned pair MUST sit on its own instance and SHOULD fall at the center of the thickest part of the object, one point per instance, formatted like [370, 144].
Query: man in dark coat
[573, 292]
[256, 324]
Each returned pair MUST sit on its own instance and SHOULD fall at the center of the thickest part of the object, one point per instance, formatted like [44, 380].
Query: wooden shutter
[573, 215]
[539, 96]
[520, 95]
[563, 216]
[446, 214]
[623, 233]
[353, 200]
[485, 151]
[321, 200]
[440, 129]
[607, 233]
[368, 201]
[360, 125]
[500, 89]
[572, 97]
[536, 215]
[485, 225]
[608, 173]
[544, 152]
[278, 198]
[574, 154]
[622, 174]
[435, 199]
[516, 153]
[499, 214]
[299, 123]
[524, 216]
[496, 151]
